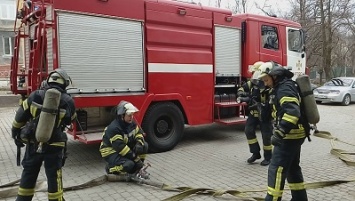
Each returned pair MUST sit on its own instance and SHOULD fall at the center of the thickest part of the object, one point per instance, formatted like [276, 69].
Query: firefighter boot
[265, 162]
[254, 157]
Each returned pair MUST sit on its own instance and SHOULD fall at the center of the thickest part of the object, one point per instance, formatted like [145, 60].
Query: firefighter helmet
[125, 107]
[255, 66]
[59, 76]
[274, 70]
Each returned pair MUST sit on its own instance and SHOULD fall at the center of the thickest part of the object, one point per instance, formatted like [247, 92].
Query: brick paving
[211, 156]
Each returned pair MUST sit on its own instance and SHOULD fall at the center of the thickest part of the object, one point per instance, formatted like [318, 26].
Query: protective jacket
[120, 137]
[30, 109]
[52, 154]
[287, 111]
[258, 105]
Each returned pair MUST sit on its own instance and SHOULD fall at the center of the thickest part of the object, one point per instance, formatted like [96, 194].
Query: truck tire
[163, 124]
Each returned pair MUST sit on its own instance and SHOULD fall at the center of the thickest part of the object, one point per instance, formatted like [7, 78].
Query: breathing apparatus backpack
[309, 109]
[48, 117]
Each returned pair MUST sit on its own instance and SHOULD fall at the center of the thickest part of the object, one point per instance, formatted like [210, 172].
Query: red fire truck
[179, 63]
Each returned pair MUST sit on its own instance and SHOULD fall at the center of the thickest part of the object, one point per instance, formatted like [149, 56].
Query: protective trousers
[285, 164]
[52, 157]
[266, 132]
[119, 165]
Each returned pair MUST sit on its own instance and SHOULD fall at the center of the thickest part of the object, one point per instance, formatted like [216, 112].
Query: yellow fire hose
[184, 192]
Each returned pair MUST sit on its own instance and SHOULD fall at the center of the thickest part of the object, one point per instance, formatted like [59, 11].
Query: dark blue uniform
[53, 151]
[117, 147]
[257, 95]
[286, 156]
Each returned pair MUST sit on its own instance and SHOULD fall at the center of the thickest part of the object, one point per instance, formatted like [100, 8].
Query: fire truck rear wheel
[164, 125]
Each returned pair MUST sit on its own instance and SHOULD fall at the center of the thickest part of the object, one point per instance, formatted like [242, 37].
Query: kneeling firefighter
[123, 146]
[256, 95]
[39, 123]
[290, 130]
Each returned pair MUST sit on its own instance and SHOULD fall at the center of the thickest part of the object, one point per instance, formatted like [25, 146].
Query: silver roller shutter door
[227, 51]
[101, 54]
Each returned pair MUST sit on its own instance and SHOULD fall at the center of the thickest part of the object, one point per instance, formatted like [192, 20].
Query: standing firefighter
[39, 123]
[123, 146]
[289, 133]
[256, 95]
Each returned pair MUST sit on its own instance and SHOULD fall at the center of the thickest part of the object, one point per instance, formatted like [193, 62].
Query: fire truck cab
[178, 63]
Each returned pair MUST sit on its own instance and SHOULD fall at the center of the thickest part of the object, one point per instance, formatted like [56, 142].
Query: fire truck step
[92, 138]
[231, 120]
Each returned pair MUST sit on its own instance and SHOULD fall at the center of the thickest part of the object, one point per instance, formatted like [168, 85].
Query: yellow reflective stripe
[296, 186]
[253, 141]
[142, 156]
[26, 191]
[273, 114]
[267, 147]
[275, 194]
[62, 113]
[118, 168]
[262, 98]
[34, 108]
[73, 116]
[294, 136]
[138, 136]
[116, 137]
[55, 196]
[124, 151]
[290, 118]
[59, 194]
[18, 124]
[25, 104]
[289, 99]
[58, 144]
[107, 151]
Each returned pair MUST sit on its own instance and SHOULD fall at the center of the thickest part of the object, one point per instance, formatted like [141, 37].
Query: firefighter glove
[138, 164]
[15, 132]
[19, 143]
[277, 137]
[138, 148]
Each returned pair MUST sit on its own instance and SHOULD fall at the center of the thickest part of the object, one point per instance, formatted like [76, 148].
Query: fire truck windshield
[295, 40]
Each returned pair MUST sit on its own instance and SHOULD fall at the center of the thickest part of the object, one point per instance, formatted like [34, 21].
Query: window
[8, 45]
[8, 10]
[295, 41]
[270, 39]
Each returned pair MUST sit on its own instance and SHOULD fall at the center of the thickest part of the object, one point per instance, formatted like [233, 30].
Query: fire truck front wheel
[164, 125]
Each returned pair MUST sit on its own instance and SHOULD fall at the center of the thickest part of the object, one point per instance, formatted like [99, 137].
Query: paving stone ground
[212, 156]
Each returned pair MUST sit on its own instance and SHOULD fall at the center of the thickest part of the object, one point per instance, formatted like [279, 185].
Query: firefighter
[123, 146]
[288, 135]
[24, 129]
[255, 94]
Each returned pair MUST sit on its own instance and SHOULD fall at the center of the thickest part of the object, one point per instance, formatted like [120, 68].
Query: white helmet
[255, 66]
[125, 107]
[264, 69]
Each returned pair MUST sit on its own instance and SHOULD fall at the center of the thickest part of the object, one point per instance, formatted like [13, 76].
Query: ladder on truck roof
[34, 17]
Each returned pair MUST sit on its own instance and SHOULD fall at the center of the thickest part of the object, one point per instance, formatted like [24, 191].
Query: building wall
[7, 22]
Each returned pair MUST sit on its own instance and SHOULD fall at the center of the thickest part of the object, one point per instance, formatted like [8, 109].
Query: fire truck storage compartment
[227, 53]
[94, 119]
[82, 120]
[101, 54]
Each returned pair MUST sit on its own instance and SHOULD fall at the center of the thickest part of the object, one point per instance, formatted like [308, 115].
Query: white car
[337, 90]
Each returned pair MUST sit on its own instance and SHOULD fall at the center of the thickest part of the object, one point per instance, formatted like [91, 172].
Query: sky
[277, 6]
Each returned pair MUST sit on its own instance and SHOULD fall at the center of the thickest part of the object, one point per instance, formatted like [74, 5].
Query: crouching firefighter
[39, 123]
[290, 130]
[256, 95]
[123, 146]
